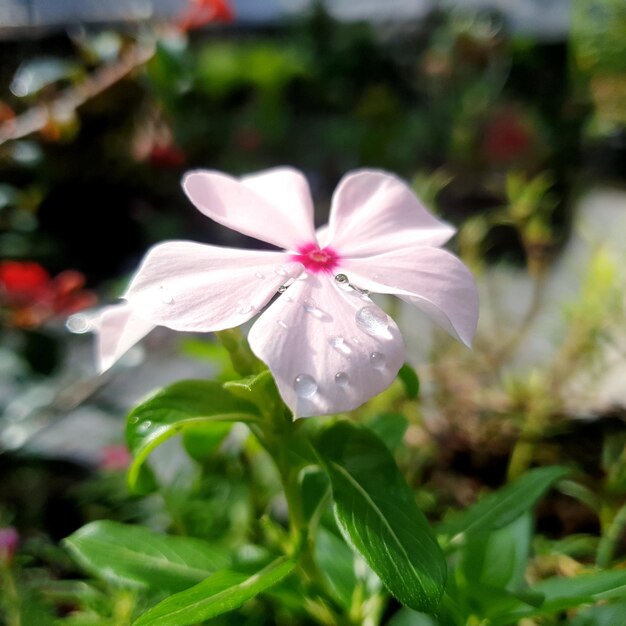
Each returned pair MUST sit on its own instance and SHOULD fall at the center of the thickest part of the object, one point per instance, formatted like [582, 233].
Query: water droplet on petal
[305, 386]
[340, 345]
[244, 309]
[165, 295]
[282, 289]
[373, 321]
[134, 419]
[282, 324]
[341, 378]
[78, 323]
[378, 360]
[310, 308]
[341, 278]
[259, 275]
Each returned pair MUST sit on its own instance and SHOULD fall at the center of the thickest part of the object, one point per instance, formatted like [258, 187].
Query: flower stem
[611, 537]
[10, 596]
[278, 436]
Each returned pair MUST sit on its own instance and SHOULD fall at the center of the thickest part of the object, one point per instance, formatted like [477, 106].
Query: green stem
[276, 436]
[610, 538]
[10, 596]
[524, 448]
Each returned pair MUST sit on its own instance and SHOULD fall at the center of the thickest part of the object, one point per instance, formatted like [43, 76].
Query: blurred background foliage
[498, 132]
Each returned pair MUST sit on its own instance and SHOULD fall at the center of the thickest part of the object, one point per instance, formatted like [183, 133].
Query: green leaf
[502, 507]
[146, 481]
[499, 558]
[336, 561]
[200, 441]
[390, 427]
[222, 592]
[315, 487]
[133, 555]
[377, 514]
[565, 593]
[410, 380]
[259, 390]
[183, 405]
[606, 615]
[409, 617]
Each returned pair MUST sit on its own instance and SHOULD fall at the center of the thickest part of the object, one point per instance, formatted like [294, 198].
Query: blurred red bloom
[199, 13]
[167, 156]
[29, 297]
[507, 137]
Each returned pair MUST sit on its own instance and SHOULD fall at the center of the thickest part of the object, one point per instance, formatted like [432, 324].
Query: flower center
[316, 259]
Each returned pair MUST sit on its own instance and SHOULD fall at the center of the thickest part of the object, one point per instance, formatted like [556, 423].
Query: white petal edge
[118, 328]
[311, 330]
[273, 206]
[195, 287]
[432, 279]
[374, 212]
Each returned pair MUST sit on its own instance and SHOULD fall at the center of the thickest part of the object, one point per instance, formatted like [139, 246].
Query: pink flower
[9, 543]
[115, 458]
[329, 347]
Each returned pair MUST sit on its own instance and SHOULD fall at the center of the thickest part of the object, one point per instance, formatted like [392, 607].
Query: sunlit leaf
[222, 592]
[377, 515]
[183, 405]
[137, 556]
[502, 507]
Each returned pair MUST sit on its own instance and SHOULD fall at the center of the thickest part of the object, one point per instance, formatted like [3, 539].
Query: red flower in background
[29, 296]
[507, 137]
[167, 156]
[199, 13]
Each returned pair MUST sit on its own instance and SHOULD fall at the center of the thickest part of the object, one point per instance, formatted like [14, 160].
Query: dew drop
[373, 321]
[259, 275]
[305, 386]
[244, 309]
[144, 427]
[341, 378]
[341, 278]
[378, 360]
[282, 324]
[310, 308]
[282, 289]
[134, 419]
[340, 345]
[78, 323]
[166, 296]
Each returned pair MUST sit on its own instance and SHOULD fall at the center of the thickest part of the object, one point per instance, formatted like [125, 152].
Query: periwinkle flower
[329, 347]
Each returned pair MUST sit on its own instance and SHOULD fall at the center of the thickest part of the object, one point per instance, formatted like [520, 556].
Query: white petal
[374, 212]
[273, 206]
[194, 287]
[323, 360]
[430, 278]
[117, 329]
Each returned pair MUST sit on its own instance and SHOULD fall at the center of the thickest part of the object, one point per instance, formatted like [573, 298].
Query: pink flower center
[316, 259]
